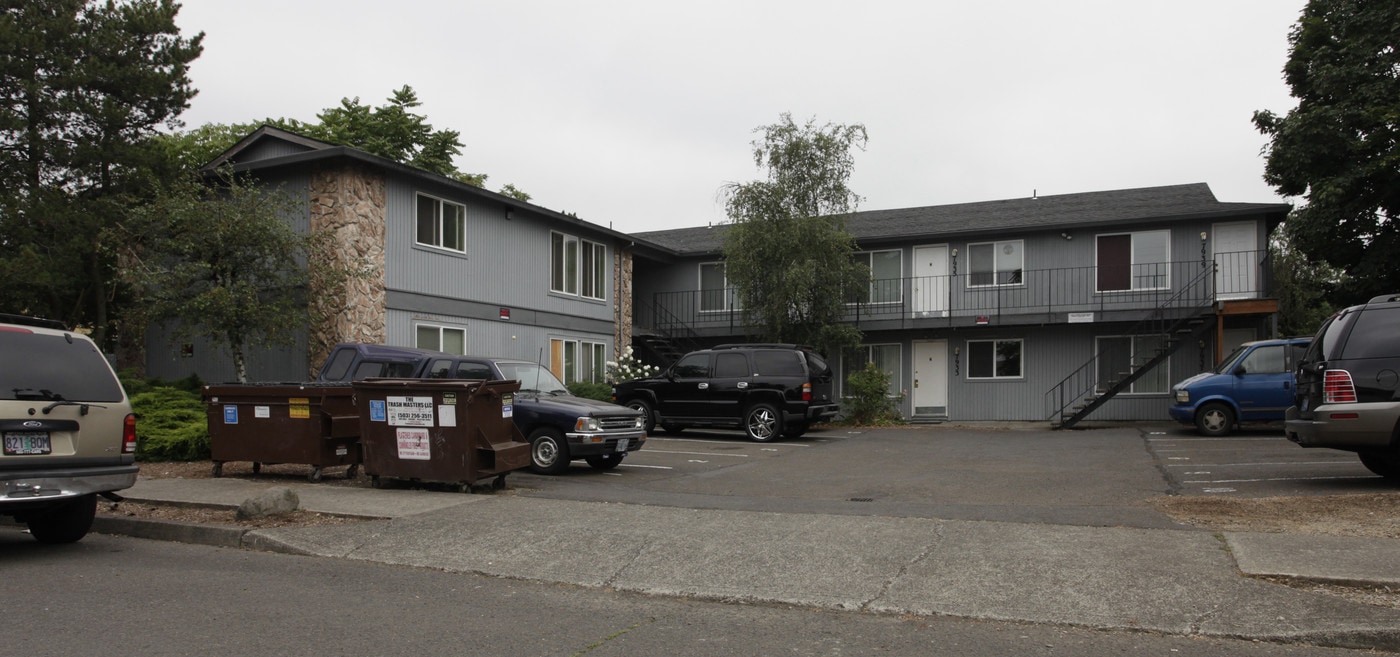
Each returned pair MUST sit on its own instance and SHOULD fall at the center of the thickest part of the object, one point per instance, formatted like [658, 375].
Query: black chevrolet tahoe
[767, 390]
[560, 426]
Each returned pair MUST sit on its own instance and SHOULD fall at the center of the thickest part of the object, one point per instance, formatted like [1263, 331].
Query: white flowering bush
[628, 368]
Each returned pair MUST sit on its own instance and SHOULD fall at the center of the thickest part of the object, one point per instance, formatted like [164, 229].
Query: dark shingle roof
[1124, 206]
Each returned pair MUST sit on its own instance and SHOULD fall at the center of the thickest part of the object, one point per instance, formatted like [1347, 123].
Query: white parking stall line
[664, 451]
[1233, 440]
[652, 467]
[715, 442]
[1250, 481]
[1271, 463]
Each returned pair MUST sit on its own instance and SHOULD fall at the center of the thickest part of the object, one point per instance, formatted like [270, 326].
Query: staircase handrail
[1157, 319]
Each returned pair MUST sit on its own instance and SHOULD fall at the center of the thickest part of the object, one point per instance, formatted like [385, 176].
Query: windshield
[1228, 365]
[532, 377]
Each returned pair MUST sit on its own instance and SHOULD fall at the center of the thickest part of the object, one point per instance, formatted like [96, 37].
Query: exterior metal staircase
[1185, 317]
[665, 341]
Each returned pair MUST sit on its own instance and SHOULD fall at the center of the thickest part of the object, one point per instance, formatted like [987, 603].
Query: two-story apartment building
[1023, 309]
[450, 266]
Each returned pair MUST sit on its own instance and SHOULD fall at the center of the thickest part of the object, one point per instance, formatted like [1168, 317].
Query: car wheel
[1385, 464]
[604, 461]
[795, 430]
[762, 423]
[66, 523]
[648, 418]
[549, 452]
[1215, 419]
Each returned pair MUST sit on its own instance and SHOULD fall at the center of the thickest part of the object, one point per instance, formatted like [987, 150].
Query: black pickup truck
[560, 426]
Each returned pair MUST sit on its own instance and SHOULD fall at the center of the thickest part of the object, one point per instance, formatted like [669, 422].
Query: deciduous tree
[1338, 147]
[787, 251]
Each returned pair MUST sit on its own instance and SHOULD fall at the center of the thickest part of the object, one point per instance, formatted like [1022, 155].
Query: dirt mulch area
[1376, 515]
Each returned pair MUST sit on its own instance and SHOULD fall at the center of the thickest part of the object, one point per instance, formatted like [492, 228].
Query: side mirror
[1241, 371]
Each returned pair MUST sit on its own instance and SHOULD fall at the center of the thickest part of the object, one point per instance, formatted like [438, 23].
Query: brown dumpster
[271, 423]
[448, 431]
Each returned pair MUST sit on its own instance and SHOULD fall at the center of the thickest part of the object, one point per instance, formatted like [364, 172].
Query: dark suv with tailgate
[767, 390]
[1349, 386]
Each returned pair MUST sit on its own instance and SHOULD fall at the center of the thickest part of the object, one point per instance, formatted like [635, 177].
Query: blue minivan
[1253, 384]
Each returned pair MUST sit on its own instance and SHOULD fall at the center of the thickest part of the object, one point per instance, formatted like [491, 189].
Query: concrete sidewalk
[1184, 582]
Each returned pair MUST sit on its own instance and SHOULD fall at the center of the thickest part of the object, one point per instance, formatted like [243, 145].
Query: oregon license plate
[26, 443]
[622, 444]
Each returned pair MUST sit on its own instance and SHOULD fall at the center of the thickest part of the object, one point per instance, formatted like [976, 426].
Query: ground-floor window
[441, 338]
[577, 360]
[994, 359]
[887, 357]
[1118, 354]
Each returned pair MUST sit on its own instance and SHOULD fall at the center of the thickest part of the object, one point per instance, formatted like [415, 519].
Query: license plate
[27, 443]
[622, 444]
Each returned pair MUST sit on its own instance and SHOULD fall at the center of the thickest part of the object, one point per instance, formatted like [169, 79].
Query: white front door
[931, 378]
[1237, 260]
[931, 281]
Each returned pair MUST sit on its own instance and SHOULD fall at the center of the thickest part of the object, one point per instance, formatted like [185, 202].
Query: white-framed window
[994, 359]
[886, 277]
[1118, 354]
[578, 360]
[995, 263]
[440, 338]
[715, 294]
[441, 224]
[888, 357]
[1133, 261]
[577, 266]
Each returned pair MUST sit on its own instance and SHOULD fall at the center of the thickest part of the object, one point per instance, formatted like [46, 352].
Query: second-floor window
[1133, 261]
[886, 272]
[577, 266]
[995, 263]
[441, 223]
[441, 338]
[715, 295]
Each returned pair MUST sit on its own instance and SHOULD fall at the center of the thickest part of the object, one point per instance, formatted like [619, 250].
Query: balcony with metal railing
[1029, 296]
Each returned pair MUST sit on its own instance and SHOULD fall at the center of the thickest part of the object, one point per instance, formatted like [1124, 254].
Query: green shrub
[135, 384]
[171, 425]
[598, 391]
[870, 403]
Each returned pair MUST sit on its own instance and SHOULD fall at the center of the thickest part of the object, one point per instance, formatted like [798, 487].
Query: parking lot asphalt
[991, 522]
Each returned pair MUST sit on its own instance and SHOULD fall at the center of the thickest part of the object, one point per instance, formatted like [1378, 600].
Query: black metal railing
[1087, 387]
[995, 295]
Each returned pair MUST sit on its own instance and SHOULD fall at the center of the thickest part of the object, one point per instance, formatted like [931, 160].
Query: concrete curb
[170, 530]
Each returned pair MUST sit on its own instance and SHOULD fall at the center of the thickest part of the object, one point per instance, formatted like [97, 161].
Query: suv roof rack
[1385, 298]
[39, 322]
[759, 345]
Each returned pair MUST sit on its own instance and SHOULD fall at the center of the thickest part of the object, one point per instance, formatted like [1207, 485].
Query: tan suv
[67, 428]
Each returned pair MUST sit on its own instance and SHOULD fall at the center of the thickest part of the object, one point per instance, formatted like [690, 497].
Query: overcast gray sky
[634, 114]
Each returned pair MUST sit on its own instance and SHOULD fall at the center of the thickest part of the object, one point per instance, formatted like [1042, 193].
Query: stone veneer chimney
[349, 202]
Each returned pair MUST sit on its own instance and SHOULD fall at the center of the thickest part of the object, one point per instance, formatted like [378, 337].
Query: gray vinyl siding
[270, 148]
[505, 264]
[492, 338]
[213, 364]
[1049, 353]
